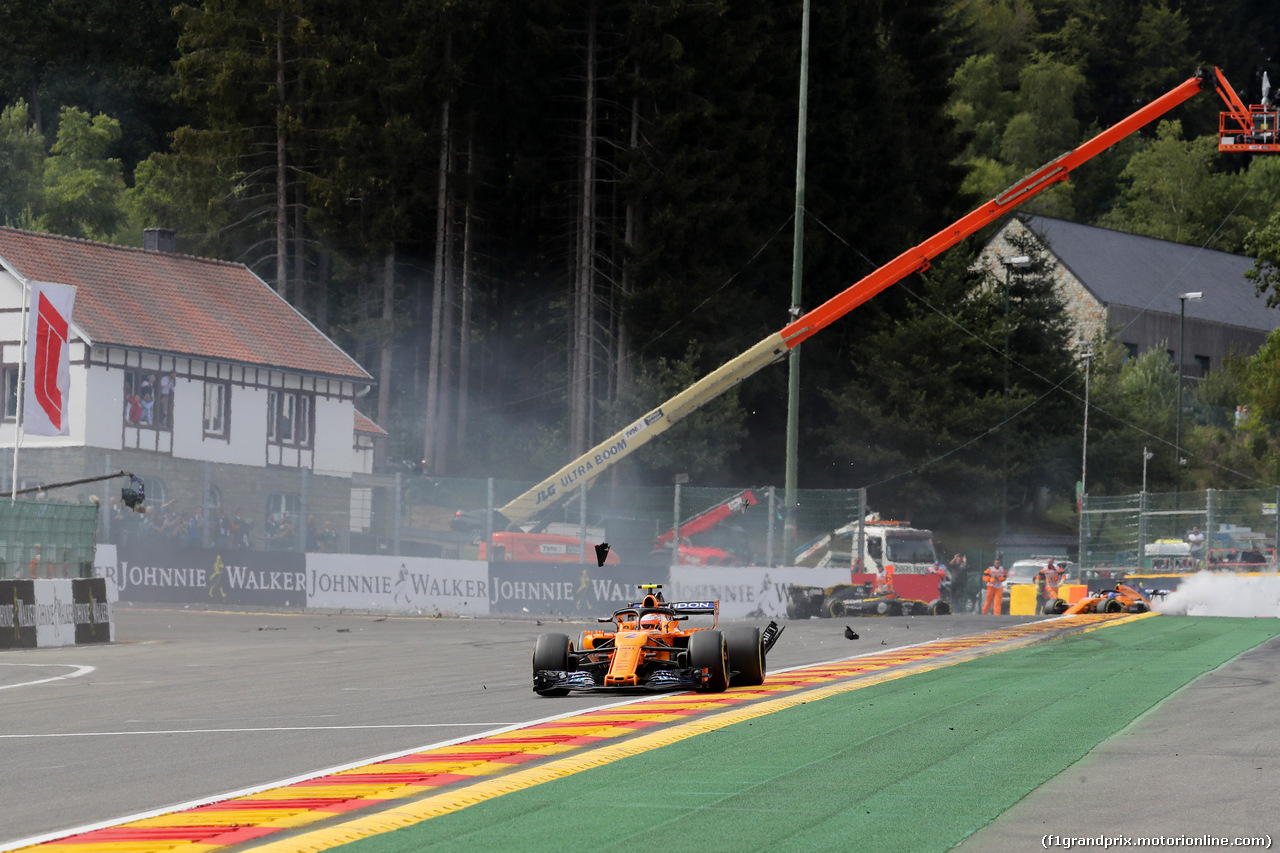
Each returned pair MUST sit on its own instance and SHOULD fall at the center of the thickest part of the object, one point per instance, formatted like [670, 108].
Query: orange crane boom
[580, 472]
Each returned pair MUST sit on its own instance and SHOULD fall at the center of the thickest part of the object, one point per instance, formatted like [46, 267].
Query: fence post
[1142, 525]
[488, 519]
[675, 527]
[582, 522]
[768, 536]
[1083, 532]
[860, 549]
[1211, 521]
[305, 510]
[104, 509]
[399, 508]
[206, 527]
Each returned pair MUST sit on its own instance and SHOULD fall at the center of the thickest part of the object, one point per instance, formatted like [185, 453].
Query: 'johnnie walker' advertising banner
[566, 589]
[210, 576]
[413, 585]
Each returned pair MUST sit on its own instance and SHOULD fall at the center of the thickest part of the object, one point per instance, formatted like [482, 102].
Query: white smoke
[1209, 594]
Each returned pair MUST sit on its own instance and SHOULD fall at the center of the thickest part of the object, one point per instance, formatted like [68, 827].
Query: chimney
[160, 240]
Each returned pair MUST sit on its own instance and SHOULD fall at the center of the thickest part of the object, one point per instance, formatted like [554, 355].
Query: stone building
[1127, 287]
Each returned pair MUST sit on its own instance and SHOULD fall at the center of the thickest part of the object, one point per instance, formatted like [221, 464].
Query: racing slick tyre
[836, 608]
[938, 607]
[551, 652]
[1110, 605]
[1055, 607]
[746, 656]
[708, 650]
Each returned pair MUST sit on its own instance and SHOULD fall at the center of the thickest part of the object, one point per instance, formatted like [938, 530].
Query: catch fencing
[1125, 530]
[46, 540]
[419, 515]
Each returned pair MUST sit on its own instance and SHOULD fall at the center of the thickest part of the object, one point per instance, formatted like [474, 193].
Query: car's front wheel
[708, 651]
[551, 652]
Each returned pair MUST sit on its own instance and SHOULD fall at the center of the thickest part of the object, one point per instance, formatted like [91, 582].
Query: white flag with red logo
[48, 377]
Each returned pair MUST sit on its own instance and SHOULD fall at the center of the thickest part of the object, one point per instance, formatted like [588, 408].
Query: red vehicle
[706, 541]
[521, 547]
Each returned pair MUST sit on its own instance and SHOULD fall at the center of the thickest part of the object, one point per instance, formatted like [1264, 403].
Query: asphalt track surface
[192, 706]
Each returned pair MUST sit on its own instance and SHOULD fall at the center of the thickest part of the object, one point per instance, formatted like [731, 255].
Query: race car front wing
[584, 682]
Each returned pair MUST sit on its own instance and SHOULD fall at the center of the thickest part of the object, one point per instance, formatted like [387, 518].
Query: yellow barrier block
[1022, 599]
[1072, 592]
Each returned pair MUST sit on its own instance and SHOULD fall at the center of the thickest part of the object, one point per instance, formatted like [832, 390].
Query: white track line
[246, 730]
[257, 789]
[80, 670]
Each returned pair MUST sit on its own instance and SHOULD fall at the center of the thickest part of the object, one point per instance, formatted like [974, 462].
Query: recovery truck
[1249, 129]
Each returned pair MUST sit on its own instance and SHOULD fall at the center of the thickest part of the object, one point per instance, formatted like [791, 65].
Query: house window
[217, 400]
[10, 393]
[1130, 351]
[1202, 361]
[148, 399]
[289, 418]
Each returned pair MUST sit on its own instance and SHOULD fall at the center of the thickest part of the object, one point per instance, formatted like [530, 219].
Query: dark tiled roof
[176, 304]
[363, 424]
[1142, 272]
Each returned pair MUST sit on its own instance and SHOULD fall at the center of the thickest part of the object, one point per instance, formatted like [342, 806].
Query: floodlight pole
[1021, 262]
[797, 275]
[1177, 430]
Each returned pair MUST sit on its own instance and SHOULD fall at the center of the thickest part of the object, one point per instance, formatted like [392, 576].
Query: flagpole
[22, 378]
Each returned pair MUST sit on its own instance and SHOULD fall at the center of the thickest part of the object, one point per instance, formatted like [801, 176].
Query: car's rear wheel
[938, 607]
[746, 656]
[836, 608]
[551, 652]
[707, 650]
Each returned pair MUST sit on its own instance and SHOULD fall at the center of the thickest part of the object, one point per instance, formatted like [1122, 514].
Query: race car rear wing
[696, 608]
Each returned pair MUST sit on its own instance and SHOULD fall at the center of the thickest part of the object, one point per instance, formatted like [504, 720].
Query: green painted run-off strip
[916, 764]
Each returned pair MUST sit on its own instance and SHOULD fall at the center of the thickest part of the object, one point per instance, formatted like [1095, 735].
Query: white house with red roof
[193, 371]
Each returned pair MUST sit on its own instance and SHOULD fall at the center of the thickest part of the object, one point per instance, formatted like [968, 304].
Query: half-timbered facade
[194, 374]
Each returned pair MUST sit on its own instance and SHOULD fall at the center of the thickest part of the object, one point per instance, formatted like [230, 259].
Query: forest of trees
[531, 221]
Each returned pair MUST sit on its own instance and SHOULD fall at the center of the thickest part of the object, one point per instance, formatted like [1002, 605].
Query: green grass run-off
[915, 764]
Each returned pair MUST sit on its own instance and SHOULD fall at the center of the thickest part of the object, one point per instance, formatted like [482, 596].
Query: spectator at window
[147, 404]
[165, 399]
[132, 408]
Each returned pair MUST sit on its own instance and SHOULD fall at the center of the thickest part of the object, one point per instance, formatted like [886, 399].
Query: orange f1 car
[1122, 599]
[646, 648]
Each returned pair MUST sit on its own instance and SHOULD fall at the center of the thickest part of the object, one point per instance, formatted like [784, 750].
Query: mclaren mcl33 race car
[1122, 599]
[858, 600]
[646, 648]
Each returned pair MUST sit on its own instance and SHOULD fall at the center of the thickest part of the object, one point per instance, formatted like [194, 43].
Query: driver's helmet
[651, 621]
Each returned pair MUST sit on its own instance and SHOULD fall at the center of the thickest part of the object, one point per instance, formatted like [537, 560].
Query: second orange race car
[1122, 599]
